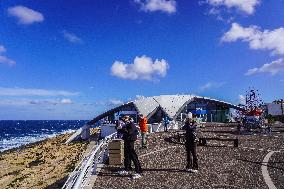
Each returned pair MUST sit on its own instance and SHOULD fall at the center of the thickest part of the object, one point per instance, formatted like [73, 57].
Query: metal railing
[80, 177]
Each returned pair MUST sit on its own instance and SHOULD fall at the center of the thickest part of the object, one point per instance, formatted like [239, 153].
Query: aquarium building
[175, 107]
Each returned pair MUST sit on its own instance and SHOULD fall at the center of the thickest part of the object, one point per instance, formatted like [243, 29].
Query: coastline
[15, 133]
[36, 142]
[42, 164]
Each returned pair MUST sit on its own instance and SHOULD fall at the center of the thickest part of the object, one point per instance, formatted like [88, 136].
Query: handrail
[80, 176]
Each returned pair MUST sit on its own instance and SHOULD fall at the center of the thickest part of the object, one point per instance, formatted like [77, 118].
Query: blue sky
[74, 59]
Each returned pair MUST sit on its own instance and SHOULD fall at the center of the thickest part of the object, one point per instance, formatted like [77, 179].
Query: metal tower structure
[254, 102]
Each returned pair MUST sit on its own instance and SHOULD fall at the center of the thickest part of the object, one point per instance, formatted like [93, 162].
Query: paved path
[265, 173]
[221, 165]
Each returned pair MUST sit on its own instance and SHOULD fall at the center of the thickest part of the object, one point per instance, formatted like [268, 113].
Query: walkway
[221, 165]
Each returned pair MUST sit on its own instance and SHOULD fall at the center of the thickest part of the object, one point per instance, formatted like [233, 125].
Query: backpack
[135, 134]
[131, 128]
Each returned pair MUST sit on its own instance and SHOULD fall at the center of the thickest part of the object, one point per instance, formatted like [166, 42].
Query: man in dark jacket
[130, 133]
[190, 144]
[119, 126]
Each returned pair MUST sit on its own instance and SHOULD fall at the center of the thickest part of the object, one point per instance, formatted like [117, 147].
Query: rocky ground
[44, 164]
[221, 164]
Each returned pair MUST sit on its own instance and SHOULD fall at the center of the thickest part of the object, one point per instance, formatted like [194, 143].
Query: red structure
[253, 103]
[253, 114]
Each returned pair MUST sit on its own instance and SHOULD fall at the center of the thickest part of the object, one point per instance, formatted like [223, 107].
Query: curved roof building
[172, 106]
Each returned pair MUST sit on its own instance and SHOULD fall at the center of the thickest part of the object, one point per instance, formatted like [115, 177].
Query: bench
[180, 136]
[203, 141]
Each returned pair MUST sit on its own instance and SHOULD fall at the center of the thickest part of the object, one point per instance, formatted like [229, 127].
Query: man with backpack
[130, 133]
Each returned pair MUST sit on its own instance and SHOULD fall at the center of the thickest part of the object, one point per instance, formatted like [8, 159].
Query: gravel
[276, 169]
[221, 164]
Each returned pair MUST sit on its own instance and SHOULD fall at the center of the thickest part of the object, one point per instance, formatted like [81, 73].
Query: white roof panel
[146, 105]
[171, 104]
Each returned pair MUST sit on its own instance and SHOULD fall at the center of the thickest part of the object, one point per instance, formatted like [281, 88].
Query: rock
[40, 164]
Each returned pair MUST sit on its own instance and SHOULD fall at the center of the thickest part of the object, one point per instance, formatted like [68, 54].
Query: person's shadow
[174, 140]
[113, 171]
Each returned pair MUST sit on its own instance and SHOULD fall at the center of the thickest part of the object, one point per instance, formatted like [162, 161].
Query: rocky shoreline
[43, 164]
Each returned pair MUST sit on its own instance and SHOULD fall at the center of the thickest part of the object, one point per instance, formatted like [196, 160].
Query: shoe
[136, 176]
[189, 170]
[194, 171]
[123, 173]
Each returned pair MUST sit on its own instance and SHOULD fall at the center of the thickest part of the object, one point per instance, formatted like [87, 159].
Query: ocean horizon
[16, 133]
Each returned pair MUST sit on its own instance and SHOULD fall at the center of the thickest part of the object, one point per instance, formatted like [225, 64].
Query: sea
[15, 133]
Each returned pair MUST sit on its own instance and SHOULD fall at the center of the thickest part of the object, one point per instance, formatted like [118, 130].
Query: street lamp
[280, 101]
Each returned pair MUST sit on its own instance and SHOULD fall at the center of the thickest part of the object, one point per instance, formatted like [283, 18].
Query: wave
[15, 142]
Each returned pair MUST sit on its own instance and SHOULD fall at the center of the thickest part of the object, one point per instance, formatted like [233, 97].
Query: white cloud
[211, 85]
[273, 68]
[242, 99]
[168, 6]
[114, 102]
[246, 6]
[251, 71]
[26, 102]
[143, 68]
[15, 102]
[6, 60]
[2, 49]
[42, 102]
[267, 40]
[34, 92]
[66, 101]
[225, 18]
[25, 15]
[71, 37]
[110, 102]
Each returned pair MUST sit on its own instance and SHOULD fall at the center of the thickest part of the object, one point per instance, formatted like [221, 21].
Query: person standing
[130, 133]
[239, 126]
[166, 123]
[119, 126]
[190, 143]
[143, 129]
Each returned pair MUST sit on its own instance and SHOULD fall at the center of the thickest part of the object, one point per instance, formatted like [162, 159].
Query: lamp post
[280, 101]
